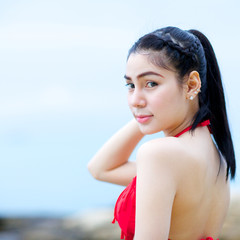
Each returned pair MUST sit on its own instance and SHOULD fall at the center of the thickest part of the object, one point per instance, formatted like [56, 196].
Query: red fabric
[201, 124]
[125, 207]
[124, 211]
[209, 238]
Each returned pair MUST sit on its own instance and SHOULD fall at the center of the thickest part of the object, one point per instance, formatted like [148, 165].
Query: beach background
[62, 95]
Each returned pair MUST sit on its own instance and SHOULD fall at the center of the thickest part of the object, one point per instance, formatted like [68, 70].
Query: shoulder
[157, 185]
[167, 155]
[168, 148]
[161, 144]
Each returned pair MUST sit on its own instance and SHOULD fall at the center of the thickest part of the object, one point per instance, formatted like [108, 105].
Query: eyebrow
[145, 74]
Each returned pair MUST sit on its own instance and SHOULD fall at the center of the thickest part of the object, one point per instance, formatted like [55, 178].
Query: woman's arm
[111, 163]
[157, 182]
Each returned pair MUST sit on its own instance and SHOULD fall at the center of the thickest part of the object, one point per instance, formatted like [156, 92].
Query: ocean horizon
[50, 178]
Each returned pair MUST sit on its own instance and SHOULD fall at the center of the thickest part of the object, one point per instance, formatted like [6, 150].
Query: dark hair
[186, 51]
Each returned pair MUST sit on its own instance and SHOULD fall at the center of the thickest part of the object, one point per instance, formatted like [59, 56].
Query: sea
[44, 167]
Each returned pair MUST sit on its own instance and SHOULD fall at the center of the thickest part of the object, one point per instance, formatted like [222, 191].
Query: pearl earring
[191, 98]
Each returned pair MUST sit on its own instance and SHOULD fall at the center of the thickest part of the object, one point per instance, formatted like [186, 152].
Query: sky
[62, 90]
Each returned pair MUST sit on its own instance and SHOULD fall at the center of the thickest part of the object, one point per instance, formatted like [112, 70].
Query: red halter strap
[202, 124]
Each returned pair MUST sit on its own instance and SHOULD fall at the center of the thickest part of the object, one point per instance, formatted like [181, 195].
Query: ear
[193, 85]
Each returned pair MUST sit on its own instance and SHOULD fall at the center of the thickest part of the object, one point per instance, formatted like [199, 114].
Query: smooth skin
[182, 192]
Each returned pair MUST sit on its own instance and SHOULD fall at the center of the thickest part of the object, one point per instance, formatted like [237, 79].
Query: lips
[143, 118]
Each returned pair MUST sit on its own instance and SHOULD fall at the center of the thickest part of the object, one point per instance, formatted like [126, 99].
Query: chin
[146, 130]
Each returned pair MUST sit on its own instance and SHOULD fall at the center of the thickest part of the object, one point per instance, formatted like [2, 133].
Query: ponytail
[212, 101]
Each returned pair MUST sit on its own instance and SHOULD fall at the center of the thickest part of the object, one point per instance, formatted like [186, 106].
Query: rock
[93, 225]
[96, 224]
[38, 229]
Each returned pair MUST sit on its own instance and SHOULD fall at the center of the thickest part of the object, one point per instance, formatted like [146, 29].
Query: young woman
[178, 188]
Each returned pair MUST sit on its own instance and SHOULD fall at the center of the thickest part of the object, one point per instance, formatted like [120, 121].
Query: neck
[201, 124]
[191, 111]
[174, 131]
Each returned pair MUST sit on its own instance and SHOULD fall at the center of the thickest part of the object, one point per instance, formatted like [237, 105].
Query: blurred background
[62, 93]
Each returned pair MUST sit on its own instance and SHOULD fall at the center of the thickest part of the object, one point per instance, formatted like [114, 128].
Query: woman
[181, 191]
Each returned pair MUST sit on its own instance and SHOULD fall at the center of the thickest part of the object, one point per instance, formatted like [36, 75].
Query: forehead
[139, 63]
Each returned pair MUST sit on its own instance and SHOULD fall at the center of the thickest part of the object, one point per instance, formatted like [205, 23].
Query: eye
[130, 86]
[151, 84]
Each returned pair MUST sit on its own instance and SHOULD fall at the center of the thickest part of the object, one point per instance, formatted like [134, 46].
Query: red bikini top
[124, 211]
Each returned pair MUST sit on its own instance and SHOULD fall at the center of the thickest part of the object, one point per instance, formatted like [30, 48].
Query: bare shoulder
[165, 154]
[161, 144]
[163, 149]
[157, 185]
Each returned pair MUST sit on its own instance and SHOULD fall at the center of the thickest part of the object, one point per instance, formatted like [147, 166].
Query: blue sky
[62, 90]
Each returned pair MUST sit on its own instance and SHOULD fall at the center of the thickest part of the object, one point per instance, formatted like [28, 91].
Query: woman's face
[155, 97]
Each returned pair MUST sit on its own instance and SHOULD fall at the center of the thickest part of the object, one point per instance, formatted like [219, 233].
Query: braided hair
[185, 51]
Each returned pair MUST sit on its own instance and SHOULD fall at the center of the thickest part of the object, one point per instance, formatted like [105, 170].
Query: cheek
[167, 100]
[161, 99]
[128, 100]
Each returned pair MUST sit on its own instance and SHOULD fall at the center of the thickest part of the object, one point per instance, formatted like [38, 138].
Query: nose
[137, 99]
